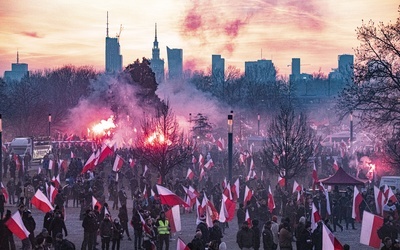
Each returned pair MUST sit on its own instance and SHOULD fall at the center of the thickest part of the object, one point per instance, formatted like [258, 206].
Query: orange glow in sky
[50, 34]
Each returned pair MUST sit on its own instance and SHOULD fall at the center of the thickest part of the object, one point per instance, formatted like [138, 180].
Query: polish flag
[190, 174]
[315, 217]
[275, 159]
[104, 153]
[53, 193]
[224, 183]
[369, 230]
[145, 170]
[227, 191]
[223, 212]
[144, 193]
[248, 219]
[209, 164]
[297, 187]
[235, 190]
[106, 212]
[271, 202]
[230, 207]
[328, 203]
[202, 174]
[247, 195]
[174, 217]
[242, 158]
[47, 190]
[4, 191]
[201, 160]
[335, 165]
[16, 226]
[180, 245]
[90, 163]
[40, 201]
[251, 175]
[95, 202]
[194, 160]
[379, 200]
[72, 155]
[131, 162]
[210, 211]
[118, 163]
[329, 241]
[389, 195]
[169, 198]
[190, 195]
[56, 181]
[314, 176]
[152, 193]
[281, 181]
[221, 144]
[51, 164]
[357, 199]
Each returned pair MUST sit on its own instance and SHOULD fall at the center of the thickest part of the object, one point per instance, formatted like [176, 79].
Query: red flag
[230, 207]
[369, 230]
[315, 217]
[63, 164]
[248, 219]
[95, 202]
[194, 160]
[169, 198]
[16, 226]
[221, 144]
[190, 194]
[131, 163]
[90, 163]
[104, 153]
[251, 175]
[247, 195]
[174, 219]
[4, 191]
[235, 190]
[190, 174]
[53, 193]
[51, 164]
[180, 245]
[271, 202]
[379, 200]
[281, 181]
[201, 160]
[118, 163]
[329, 241]
[40, 201]
[296, 187]
[56, 181]
[357, 199]
[202, 174]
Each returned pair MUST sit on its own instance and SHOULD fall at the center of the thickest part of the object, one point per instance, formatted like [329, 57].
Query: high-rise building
[217, 69]
[157, 64]
[261, 71]
[296, 66]
[17, 72]
[113, 55]
[175, 63]
[346, 64]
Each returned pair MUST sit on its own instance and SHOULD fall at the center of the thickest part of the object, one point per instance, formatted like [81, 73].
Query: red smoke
[232, 28]
[192, 21]
[31, 34]
[190, 64]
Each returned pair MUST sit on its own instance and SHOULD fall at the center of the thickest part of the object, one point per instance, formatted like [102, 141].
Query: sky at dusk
[51, 33]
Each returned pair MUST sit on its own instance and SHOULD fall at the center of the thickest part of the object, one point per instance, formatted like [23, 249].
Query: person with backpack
[63, 244]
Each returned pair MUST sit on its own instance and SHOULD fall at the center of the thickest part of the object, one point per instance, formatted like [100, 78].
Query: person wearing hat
[163, 229]
[245, 237]
[202, 226]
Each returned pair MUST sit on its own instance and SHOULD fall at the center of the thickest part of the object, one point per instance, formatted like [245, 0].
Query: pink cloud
[31, 34]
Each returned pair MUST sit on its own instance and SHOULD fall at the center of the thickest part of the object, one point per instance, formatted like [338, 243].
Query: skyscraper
[345, 64]
[295, 69]
[175, 63]
[18, 71]
[113, 56]
[157, 64]
[261, 71]
[217, 69]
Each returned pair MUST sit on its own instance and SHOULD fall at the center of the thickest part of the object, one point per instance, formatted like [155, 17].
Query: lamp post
[230, 145]
[258, 130]
[351, 129]
[1, 153]
[49, 125]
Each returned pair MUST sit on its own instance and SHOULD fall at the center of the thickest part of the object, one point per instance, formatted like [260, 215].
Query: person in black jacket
[257, 235]
[216, 232]
[90, 225]
[137, 228]
[123, 217]
[57, 225]
[205, 233]
[117, 234]
[304, 240]
[106, 232]
[268, 238]
[30, 224]
[245, 236]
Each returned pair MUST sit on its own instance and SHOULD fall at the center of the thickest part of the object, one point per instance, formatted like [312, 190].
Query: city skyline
[53, 34]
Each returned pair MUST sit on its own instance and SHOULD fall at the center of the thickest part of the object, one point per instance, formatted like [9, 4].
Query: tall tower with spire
[17, 72]
[113, 55]
[157, 64]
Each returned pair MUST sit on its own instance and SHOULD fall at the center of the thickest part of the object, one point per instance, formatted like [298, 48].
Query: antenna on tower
[261, 53]
[107, 23]
[156, 32]
[17, 57]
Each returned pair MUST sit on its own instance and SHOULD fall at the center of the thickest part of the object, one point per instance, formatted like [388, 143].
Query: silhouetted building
[261, 71]
[18, 71]
[157, 64]
[217, 69]
[113, 55]
[175, 63]
[344, 74]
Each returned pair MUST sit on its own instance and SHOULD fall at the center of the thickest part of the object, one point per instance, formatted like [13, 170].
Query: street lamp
[1, 153]
[351, 129]
[230, 145]
[49, 124]
[258, 133]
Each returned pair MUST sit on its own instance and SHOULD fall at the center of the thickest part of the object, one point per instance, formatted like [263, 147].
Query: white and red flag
[209, 164]
[51, 164]
[40, 201]
[369, 230]
[297, 187]
[174, 218]
[131, 162]
[329, 241]
[90, 163]
[314, 176]
[118, 163]
[169, 198]
[328, 203]
[202, 173]
[56, 180]
[180, 245]
[72, 154]
[52, 194]
[4, 191]
[248, 193]
[281, 181]
[95, 202]
[227, 191]
[335, 165]
[210, 211]
[271, 202]
[248, 219]
[190, 174]
[144, 193]
[145, 170]
[315, 217]
[357, 199]
[221, 144]
[16, 226]
[104, 153]
[251, 175]
[389, 195]
[235, 190]
[191, 195]
[201, 160]
[230, 207]
[252, 166]
[379, 200]
[194, 160]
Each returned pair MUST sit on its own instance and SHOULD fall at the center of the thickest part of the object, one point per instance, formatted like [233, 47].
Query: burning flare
[158, 138]
[104, 126]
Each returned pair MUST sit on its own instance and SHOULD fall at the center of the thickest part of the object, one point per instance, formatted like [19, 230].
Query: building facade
[157, 64]
[217, 69]
[175, 63]
[261, 71]
[17, 72]
[113, 54]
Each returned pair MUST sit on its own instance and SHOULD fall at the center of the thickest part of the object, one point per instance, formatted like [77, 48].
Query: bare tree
[161, 143]
[289, 145]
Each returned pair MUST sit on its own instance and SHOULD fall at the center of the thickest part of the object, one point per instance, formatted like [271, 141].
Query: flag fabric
[145, 170]
[271, 202]
[230, 207]
[315, 217]
[104, 153]
[314, 176]
[235, 190]
[369, 230]
[329, 241]
[40, 201]
[297, 187]
[90, 163]
[202, 173]
[194, 160]
[247, 195]
[252, 166]
[4, 191]
[209, 164]
[251, 175]
[328, 203]
[39, 170]
[131, 162]
[106, 211]
[227, 191]
[56, 181]
[16, 226]
[52, 194]
[191, 194]
[201, 160]
[248, 219]
[379, 200]
[95, 202]
[72, 155]
[389, 195]
[51, 164]
[357, 199]
[190, 174]
[174, 217]
[180, 245]
[281, 181]
[169, 198]
[118, 163]
[335, 165]
[221, 144]
[223, 212]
